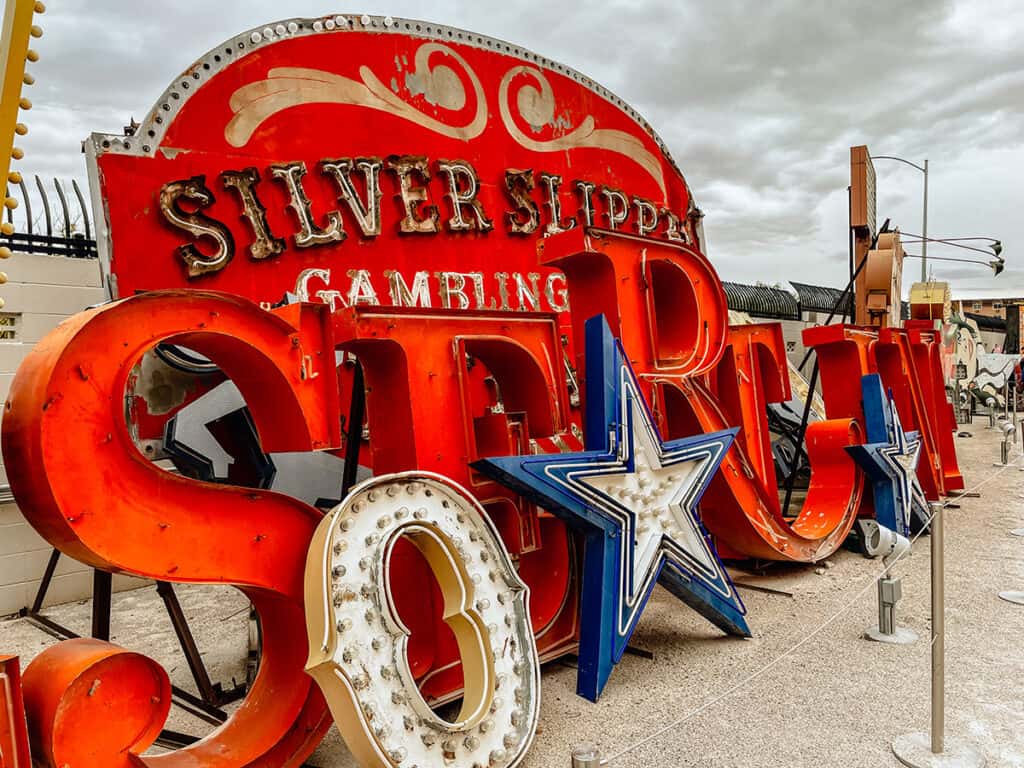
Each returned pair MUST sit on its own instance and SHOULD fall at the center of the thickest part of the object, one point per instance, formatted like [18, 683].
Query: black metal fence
[55, 228]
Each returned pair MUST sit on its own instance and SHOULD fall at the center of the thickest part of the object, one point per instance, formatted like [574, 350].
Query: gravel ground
[836, 700]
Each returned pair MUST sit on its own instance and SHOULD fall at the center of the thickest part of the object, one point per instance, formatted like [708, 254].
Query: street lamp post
[924, 228]
[924, 215]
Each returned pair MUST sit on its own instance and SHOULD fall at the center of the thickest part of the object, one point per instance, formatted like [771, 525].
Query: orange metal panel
[14, 751]
[91, 703]
[83, 484]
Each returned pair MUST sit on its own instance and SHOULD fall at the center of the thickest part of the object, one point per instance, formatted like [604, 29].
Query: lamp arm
[917, 239]
[898, 159]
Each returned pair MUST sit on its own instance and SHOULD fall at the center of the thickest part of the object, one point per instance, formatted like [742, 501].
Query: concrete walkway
[836, 701]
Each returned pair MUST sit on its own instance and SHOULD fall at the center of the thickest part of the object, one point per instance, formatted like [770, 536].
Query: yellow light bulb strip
[15, 34]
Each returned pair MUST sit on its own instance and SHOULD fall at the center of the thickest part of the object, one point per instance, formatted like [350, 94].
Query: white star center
[654, 497]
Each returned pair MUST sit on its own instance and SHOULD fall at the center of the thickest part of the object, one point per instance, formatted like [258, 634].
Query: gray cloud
[759, 103]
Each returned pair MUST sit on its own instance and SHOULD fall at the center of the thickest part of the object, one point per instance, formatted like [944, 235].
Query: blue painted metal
[890, 457]
[634, 498]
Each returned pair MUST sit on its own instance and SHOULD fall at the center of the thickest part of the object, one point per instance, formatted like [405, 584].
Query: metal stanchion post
[1009, 430]
[938, 533]
[1013, 394]
[586, 756]
[958, 411]
[922, 750]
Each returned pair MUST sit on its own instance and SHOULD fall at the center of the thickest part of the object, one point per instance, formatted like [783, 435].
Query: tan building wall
[990, 307]
[41, 292]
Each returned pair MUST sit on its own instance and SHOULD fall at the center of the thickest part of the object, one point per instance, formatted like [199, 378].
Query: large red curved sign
[409, 164]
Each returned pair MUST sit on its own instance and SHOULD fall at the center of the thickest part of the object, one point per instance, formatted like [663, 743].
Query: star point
[890, 458]
[634, 497]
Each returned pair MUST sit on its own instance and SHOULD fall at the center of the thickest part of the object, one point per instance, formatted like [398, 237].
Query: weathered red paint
[668, 306]
[588, 135]
[845, 353]
[447, 382]
[14, 751]
[501, 378]
[202, 139]
[742, 506]
[91, 703]
[664, 300]
[926, 345]
[82, 483]
[908, 361]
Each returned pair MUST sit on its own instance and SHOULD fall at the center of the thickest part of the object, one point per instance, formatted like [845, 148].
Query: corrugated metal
[818, 298]
[762, 301]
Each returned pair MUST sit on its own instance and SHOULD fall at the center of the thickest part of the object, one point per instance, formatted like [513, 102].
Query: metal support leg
[586, 756]
[210, 693]
[354, 427]
[922, 750]
[101, 609]
[102, 592]
[44, 585]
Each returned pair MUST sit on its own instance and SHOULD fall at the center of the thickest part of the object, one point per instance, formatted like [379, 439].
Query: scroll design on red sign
[287, 87]
[123, 513]
[536, 105]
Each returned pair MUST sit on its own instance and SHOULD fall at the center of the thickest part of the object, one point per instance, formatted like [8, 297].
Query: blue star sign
[634, 497]
[890, 458]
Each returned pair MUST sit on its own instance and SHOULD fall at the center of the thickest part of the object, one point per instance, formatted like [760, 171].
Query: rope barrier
[806, 639]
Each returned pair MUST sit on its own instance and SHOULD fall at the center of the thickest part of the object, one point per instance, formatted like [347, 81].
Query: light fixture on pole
[997, 265]
[924, 216]
[996, 246]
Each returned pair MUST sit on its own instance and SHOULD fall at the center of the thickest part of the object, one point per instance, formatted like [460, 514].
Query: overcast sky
[759, 102]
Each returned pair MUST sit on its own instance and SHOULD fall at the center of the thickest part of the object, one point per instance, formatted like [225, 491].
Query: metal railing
[55, 230]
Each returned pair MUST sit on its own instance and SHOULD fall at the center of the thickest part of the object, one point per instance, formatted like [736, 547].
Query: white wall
[40, 292]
